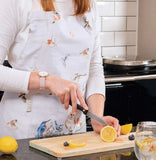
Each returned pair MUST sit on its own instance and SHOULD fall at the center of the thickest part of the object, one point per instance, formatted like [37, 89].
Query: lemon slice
[8, 145]
[74, 143]
[148, 140]
[139, 143]
[125, 129]
[108, 134]
[144, 143]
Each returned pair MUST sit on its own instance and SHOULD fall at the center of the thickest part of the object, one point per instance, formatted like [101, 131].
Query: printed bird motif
[65, 59]
[12, 123]
[77, 76]
[86, 23]
[58, 127]
[56, 17]
[85, 52]
[45, 129]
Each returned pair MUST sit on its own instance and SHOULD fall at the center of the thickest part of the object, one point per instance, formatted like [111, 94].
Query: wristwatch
[42, 75]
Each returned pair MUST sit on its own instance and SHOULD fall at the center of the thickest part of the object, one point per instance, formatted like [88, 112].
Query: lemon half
[108, 134]
[125, 129]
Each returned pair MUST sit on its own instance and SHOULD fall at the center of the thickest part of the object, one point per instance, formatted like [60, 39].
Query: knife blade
[90, 114]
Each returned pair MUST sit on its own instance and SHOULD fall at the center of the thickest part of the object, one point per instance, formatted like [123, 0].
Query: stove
[113, 74]
[134, 72]
[130, 93]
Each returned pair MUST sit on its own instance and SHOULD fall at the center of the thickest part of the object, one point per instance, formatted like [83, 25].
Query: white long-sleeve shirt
[13, 37]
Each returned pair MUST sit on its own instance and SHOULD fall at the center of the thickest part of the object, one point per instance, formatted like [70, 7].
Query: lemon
[125, 129]
[8, 145]
[108, 134]
[126, 154]
[74, 143]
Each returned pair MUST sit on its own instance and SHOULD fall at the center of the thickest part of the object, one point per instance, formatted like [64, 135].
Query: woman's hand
[110, 120]
[66, 91]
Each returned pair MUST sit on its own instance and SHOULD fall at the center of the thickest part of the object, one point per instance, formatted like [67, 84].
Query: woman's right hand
[66, 91]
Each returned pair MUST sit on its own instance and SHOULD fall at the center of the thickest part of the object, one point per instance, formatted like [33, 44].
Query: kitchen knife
[90, 114]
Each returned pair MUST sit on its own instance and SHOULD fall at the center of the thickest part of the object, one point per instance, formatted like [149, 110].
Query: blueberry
[66, 143]
[131, 137]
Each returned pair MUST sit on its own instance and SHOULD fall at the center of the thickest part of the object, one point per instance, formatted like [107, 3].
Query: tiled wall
[118, 27]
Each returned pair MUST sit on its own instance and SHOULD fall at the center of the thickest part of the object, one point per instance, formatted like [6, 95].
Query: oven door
[131, 102]
[118, 101]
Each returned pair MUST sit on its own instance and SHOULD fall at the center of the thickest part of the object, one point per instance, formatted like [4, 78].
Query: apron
[62, 46]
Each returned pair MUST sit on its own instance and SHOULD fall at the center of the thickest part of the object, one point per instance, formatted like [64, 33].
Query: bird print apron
[62, 46]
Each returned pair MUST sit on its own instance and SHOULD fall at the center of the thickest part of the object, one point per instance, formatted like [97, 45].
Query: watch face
[43, 73]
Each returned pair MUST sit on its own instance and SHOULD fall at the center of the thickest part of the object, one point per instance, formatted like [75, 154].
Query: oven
[131, 101]
[130, 90]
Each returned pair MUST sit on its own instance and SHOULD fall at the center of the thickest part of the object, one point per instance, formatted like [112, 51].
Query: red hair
[81, 6]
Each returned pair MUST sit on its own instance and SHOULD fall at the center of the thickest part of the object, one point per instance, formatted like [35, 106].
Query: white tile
[125, 38]
[131, 51]
[113, 52]
[105, 8]
[131, 23]
[107, 38]
[113, 24]
[125, 8]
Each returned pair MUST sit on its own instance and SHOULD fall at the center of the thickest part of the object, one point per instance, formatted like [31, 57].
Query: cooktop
[115, 72]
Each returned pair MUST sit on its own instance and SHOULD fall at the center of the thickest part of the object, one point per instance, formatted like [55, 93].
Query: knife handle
[79, 107]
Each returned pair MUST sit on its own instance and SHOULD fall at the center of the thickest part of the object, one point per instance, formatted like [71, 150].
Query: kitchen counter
[25, 152]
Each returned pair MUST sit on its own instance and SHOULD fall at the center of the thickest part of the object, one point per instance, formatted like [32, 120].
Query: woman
[54, 51]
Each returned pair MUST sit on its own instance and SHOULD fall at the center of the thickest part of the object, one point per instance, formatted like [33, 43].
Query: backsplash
[118, 27]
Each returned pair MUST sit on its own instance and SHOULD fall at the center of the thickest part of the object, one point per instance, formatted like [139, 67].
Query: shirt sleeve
[11, 80]
[96, 81]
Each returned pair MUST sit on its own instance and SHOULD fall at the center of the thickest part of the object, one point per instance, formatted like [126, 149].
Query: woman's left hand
[110, 120]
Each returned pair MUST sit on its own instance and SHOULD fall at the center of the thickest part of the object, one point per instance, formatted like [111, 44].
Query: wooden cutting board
[94, 144]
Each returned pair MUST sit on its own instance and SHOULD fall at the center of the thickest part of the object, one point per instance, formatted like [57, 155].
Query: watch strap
[42, 82]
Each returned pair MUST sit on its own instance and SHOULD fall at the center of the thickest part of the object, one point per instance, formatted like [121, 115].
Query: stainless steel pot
[128, 63]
